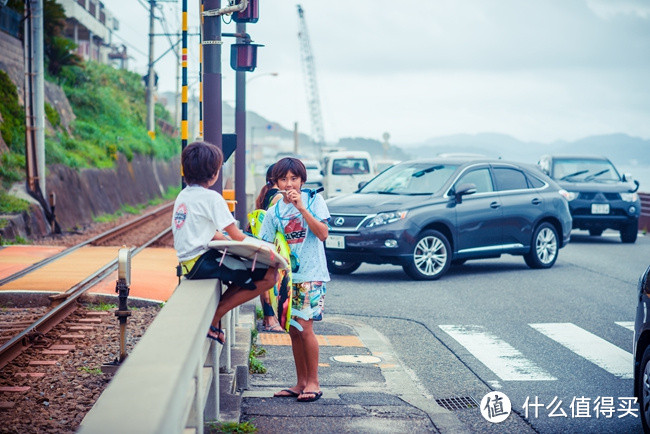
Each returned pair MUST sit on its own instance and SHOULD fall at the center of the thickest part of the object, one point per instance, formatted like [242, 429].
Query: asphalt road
[558, 338]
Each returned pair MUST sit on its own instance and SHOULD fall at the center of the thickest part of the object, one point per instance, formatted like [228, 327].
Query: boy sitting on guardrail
[200, 216]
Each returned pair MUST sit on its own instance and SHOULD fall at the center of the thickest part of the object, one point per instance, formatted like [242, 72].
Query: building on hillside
[90, 25]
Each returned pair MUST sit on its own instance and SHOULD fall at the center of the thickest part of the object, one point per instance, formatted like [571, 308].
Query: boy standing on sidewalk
[302, 217]
[200, 214]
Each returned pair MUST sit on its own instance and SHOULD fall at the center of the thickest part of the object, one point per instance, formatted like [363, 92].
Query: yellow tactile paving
[16, 258]
[323, 340]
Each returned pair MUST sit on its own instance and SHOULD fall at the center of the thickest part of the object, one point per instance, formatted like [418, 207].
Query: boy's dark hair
[282, 167]
[200, 162]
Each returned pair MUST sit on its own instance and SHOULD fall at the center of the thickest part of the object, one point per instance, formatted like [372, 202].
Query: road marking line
[627, 324]
[589, 346]
[500, 357]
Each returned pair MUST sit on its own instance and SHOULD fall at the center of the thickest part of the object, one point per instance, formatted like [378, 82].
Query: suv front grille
[345, 222]
[592, 196]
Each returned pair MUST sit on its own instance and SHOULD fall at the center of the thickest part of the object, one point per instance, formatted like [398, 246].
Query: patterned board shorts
[308, 300]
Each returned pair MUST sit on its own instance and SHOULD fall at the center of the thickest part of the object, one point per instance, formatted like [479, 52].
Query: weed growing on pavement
[255, 366]
[258, 313]
[230, 427]
[93, 371]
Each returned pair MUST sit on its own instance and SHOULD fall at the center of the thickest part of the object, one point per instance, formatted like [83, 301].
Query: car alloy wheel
[644, 390]
[544, 248]
[431, 256]
[340, 267]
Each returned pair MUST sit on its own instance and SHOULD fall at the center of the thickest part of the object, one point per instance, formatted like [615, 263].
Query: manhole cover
[457, 402]
[356, 358]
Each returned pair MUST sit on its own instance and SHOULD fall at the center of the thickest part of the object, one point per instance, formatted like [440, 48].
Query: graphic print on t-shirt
[294, 231]
[180, 215]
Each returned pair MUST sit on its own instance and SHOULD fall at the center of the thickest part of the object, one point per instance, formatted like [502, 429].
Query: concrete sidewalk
[365, 387]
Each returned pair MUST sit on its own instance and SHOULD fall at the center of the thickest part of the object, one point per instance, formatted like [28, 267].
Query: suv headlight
[629, 197]
[568, 195]
[386, 217]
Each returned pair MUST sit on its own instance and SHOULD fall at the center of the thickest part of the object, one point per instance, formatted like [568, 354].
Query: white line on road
[596, 350]
[499, 356]
[627, 324]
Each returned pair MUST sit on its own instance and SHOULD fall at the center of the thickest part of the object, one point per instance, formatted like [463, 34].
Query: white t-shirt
[302, 241]
[198, 214]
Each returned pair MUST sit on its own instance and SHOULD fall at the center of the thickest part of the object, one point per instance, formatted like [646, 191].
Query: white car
[314, 174]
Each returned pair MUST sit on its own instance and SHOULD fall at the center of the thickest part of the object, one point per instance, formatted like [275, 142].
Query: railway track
[64, 304]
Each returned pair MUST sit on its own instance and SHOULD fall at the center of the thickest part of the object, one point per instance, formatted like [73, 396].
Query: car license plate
[335, 242]
[600, 208]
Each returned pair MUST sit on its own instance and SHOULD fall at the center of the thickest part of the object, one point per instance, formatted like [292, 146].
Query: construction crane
[311, 85]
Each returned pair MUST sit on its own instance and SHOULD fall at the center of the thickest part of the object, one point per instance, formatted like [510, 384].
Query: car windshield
[584, 170]
[411, 179]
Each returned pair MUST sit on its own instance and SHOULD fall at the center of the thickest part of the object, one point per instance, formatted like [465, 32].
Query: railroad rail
[65, 303]
[99, 239]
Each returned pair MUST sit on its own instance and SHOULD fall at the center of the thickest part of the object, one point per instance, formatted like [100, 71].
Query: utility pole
[213, 126]
[240, 131]
[151, 123]
[39, 92]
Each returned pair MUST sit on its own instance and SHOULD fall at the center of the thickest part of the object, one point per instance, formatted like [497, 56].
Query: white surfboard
[258, 251]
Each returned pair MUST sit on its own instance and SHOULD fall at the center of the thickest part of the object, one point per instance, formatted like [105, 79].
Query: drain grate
[457, 402]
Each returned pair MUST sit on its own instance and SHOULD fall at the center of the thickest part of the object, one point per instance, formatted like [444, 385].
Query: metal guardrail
[644, 219]
[170, 382]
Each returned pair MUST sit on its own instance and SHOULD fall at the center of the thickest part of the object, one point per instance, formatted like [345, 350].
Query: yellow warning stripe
[323, 340]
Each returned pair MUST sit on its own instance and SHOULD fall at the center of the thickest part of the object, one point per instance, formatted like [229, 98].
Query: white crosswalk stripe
[509, 364]
[589, 346]
[627, 324]
[499, 356]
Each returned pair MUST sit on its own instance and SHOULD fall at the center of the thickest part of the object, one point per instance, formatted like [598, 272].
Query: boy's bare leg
[298, 349]
[307, 355]
[236, 295]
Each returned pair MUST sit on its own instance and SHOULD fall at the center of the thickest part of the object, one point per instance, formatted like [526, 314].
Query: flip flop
[289, 394]
[275, 328]
[316, 396]
[219, 332]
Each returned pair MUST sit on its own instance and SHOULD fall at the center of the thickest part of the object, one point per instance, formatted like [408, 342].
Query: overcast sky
[539, 70]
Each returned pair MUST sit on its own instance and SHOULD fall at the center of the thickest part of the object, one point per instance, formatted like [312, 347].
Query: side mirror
[362, 184]
[627, 177]
[463, 189]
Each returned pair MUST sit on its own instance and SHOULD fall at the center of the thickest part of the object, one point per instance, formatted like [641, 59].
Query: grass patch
[230, 427]
[11, 204]
[16, 241]
[101, 307]
[93, 371]
[258, 313]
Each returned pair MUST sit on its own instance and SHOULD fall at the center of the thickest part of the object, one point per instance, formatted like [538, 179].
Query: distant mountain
[620, 148]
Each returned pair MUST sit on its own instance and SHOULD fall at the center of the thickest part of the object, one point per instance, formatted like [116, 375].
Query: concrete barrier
[170, 382]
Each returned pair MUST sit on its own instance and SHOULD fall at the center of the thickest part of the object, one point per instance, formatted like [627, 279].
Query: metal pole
[212, 81]
[150, 82]
[201, 74]
[240, 132]
[184, 84]
[39, 92]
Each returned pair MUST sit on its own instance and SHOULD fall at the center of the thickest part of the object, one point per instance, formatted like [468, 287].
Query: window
[510, 179]
[480, 178]
[350, 166]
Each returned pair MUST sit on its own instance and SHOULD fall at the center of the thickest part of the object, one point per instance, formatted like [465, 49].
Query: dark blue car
[642, 350]
[427, 214]
[599, 197]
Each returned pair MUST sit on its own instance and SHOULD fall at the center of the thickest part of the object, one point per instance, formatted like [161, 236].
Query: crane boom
[311, 85]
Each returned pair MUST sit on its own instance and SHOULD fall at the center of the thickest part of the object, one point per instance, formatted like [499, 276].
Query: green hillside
[110, 110]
